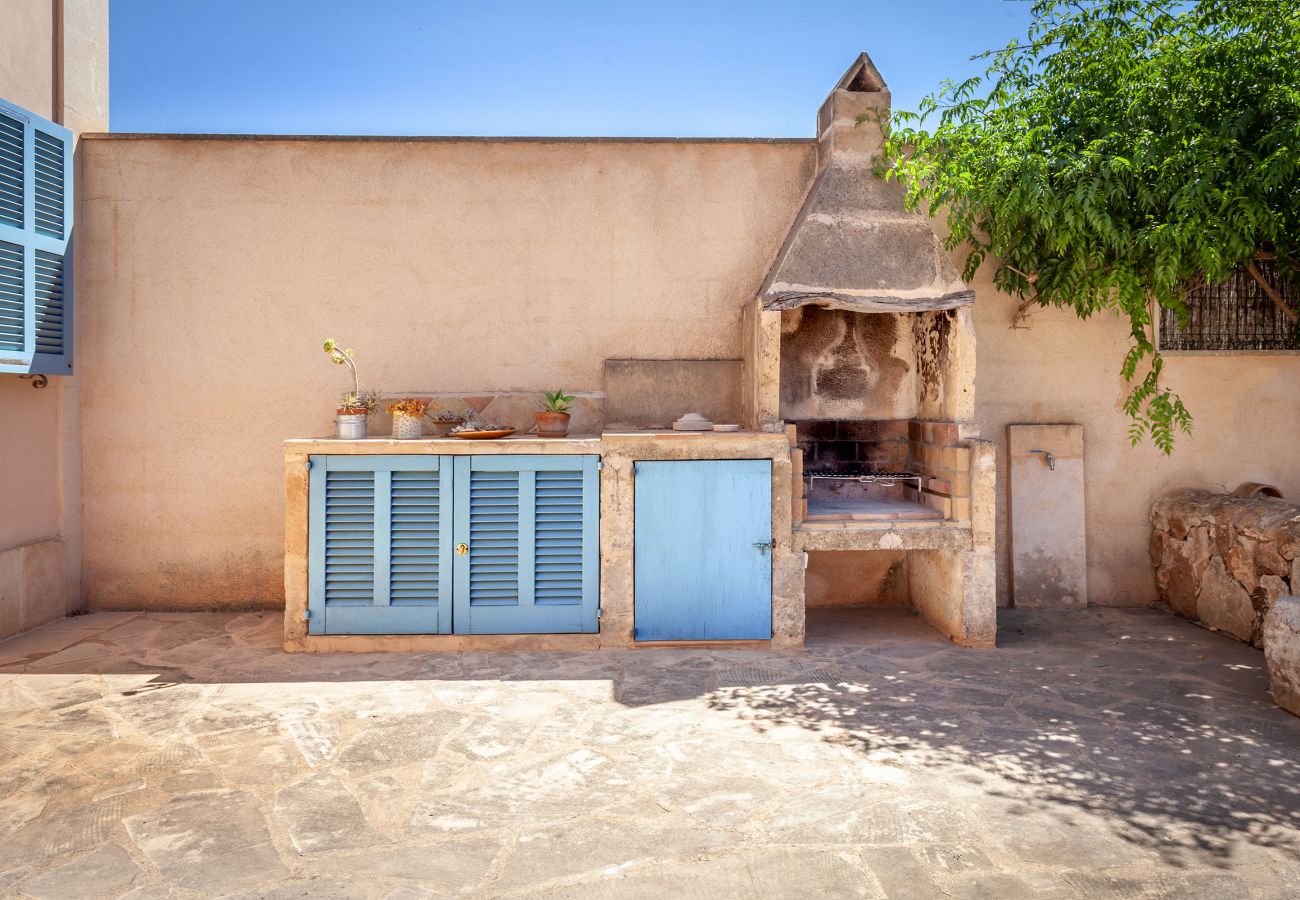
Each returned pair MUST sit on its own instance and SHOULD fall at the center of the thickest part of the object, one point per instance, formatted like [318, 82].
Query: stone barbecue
[860, 344]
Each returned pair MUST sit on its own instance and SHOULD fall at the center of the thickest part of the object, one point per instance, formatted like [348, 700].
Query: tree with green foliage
[1120, 155]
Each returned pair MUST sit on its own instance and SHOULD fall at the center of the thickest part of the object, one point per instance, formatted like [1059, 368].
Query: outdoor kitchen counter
[619, 450]
[450, 446]
[656, 444]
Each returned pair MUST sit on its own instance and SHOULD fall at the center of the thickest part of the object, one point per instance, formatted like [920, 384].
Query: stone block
[1269, 561]
[1224, 604]
[104, 871]
[1240, 561]
[1281, 637]
[653, 393]
[210, 841]
[833, 254]
[1046, 513]
[11, 592]
[1270, 589]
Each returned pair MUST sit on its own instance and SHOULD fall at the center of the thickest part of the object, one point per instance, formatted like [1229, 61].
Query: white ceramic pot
[406, 427]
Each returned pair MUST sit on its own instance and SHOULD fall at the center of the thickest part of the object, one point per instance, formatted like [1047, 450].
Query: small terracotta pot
[552, 424]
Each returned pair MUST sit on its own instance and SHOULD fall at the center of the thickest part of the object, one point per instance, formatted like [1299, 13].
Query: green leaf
[1120, 152]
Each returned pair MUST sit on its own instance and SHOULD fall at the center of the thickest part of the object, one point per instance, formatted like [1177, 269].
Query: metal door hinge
[600, 612]
[306, 613]
[762, 546]
[600, 464]
[307, 464]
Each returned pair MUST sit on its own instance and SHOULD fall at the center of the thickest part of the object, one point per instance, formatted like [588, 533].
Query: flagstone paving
[1099, 753]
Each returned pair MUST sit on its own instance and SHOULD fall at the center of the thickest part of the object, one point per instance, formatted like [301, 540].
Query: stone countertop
[706, 442]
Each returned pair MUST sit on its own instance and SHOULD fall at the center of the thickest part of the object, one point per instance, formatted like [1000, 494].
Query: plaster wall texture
[837, 364]
[494, 265]
[218, 266]
[40, 444]
[1061, 369]
[869, 578]
[26, 56]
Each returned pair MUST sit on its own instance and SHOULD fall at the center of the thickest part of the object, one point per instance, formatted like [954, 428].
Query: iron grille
[1236, 314]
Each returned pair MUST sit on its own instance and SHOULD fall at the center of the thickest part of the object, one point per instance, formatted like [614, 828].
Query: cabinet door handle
[462, 549]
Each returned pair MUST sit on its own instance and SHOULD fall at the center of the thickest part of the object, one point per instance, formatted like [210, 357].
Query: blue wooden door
[378, 555]
[703, 561]
[526, 544]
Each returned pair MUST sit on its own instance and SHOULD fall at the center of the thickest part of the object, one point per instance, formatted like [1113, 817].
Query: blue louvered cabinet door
[702, 557]
[36, 212]
[527, 551]
[379, 545]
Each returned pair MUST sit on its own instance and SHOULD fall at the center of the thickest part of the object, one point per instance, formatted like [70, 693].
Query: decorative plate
[484, 435]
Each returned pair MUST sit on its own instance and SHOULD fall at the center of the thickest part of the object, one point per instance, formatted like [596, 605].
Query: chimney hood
[853, 245]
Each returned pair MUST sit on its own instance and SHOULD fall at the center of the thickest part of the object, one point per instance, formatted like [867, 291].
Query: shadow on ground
[1094, 753]
[1162, 730]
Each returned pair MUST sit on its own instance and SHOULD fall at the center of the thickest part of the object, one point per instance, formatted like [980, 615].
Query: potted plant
[553, 418]
[445, 421]
[355, 406]
[408, 416]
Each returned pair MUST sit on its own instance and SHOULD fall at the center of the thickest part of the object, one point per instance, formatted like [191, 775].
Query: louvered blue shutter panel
[36, 207]
[378, 545]
[531, 528]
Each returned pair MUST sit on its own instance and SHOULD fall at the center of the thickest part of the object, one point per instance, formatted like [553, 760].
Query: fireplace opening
[901, 469]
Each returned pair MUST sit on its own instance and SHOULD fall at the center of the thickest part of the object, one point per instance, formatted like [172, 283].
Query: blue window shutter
[531, 525]
[378, 561]
[36, 217]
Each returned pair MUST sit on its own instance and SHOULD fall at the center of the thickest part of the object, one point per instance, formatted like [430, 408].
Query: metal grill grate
[865, 476]
[1236, 314]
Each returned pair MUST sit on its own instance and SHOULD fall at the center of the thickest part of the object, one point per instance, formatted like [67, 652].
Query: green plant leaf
[1120, 153]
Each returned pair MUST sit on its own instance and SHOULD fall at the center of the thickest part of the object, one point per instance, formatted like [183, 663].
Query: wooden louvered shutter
[35, 231]
[378, 554]
[530, 525]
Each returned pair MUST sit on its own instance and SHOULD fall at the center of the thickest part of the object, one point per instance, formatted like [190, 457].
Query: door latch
[763, 546]
[462, 549]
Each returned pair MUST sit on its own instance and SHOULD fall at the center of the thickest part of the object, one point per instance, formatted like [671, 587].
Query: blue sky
[710, 68]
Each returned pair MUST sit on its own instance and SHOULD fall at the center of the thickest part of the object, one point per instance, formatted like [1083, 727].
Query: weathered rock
[1240, 561]
[1224, 604]
[1281, 636]
[1270, 588]
[1269, 561]
[1222, 560]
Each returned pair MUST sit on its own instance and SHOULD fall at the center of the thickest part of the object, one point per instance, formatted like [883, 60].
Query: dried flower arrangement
[409, 406]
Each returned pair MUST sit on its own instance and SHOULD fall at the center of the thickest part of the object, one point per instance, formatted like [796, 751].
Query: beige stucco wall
[26, 55]
[1060, 369]
[40, 447]
[216, 267]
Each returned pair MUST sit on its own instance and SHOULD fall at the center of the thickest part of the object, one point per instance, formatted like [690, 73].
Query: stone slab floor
[1094, 754]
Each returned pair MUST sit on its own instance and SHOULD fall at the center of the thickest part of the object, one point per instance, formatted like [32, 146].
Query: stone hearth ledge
[619, 450]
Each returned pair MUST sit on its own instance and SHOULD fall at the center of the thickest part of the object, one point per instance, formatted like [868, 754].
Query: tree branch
[1272, 294]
